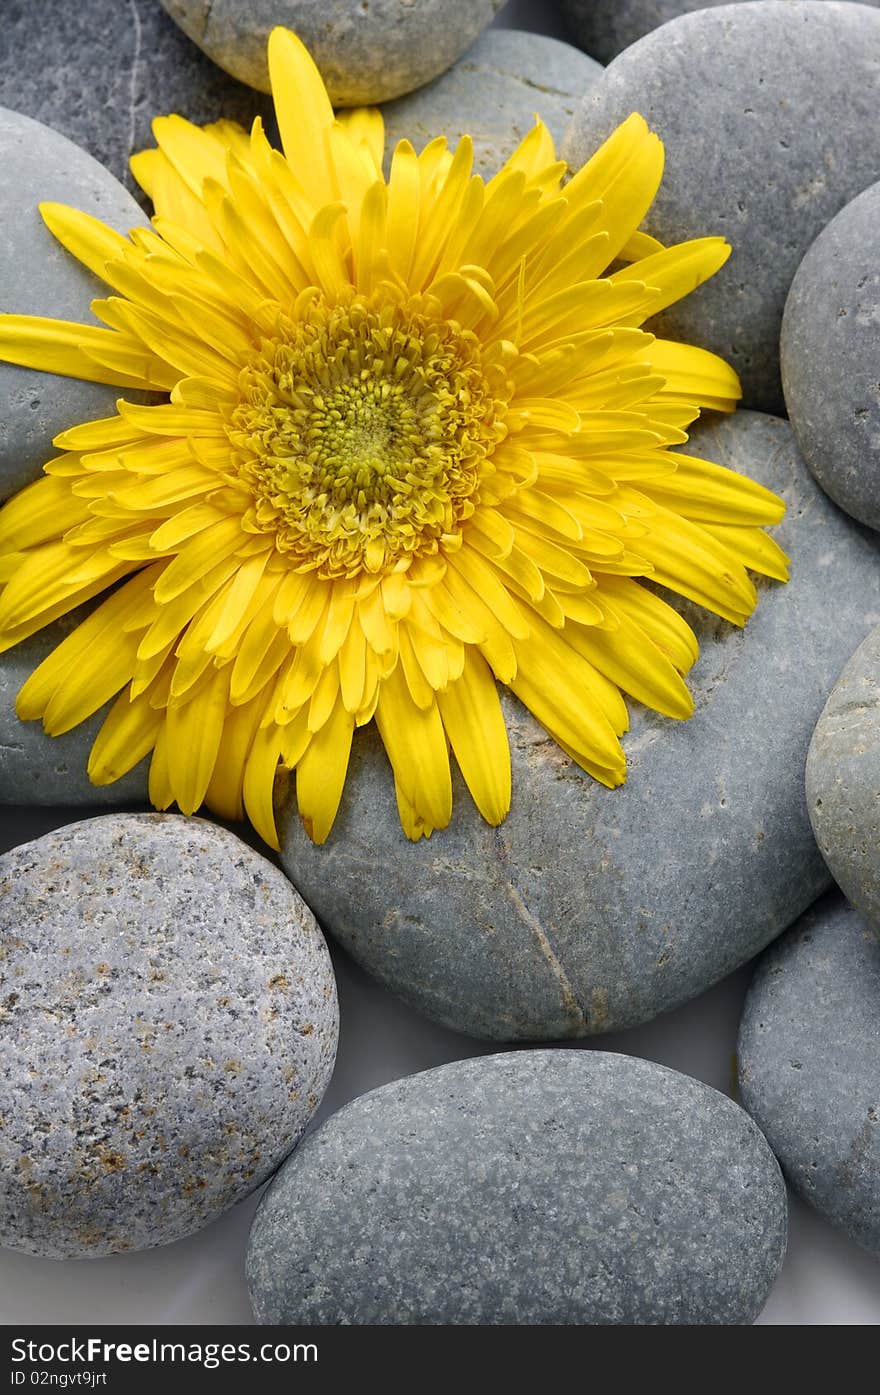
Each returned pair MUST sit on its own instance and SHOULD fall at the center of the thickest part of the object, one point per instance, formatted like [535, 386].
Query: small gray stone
[606, 27]
[38, 277]
[100, 72]
[367, 50]
[590, 910]
[40, 769]
[168, 1024]
[493, 93]
[830, 357]
[538, 1187]
[843, 779]
[809, 1070]
[768, 112]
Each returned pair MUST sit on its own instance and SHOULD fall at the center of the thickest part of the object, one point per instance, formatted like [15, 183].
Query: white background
[825, 1279]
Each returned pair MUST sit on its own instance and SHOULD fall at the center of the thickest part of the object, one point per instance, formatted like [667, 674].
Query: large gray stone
[830, 357]
[100, 71]
[168, 1023]
[843, 779]
[493, 93]
[768, 112]
[606, 27]
[40, 769]
[808, 1064]
[38, 277]
[538, 1187]
[367, 50]
[590, 910]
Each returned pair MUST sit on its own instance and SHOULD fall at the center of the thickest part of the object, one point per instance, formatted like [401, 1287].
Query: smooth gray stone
[493, 93]
[168, 1023]
[536, 1187]
[40, 769]
[590, 910]
[606, 27]
[843, 779]
[830, 357]
[38, 277]
[367, 50]
[100, 71]
[808, 1065]
[768, 112]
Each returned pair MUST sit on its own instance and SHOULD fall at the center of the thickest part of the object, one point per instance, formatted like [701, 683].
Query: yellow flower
[416, 442]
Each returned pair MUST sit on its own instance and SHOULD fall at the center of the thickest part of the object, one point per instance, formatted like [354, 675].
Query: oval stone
[367, 51]
[768, 112]
[843, 779]
[830, 357]
[38, 277]
[808, 1063]
[590, 910]
[537, 1187]
[493, 94]
[168, 1024]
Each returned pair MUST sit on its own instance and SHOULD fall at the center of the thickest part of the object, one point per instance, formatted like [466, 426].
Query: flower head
[414, 443]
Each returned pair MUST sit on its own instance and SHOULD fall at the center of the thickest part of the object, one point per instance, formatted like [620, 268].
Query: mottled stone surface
[843, 779]
[168, 1024]
[589, 910]
[493, 93]
[100, 71]
[537, 1187]
[367, 50]
[830, 357]
[768, 112]
[809, 1066]
[40, 769]
[606, 27]
[38, 277]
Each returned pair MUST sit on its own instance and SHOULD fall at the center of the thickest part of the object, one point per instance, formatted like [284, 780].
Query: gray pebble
[830, 357]
[537, 1187]
[38, 277]
[843, 779]
[168, 1024]
[40, 769]
[493, 93]
[768, 111]
[367, 50]
[590, 910]
[809, 1070]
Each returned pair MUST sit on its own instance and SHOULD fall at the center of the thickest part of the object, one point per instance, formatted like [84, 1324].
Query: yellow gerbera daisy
[416, 442]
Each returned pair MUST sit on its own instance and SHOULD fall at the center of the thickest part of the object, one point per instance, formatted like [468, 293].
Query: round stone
[367, 50]
[168, 1023]
[537, 1187]
[768, 114]
[38, 277]
[808, 1065]
[493, 94]
[590, 910]
[843, 779]
[830, 357]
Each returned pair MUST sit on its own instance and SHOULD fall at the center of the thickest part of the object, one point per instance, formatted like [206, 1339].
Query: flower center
[362, 432]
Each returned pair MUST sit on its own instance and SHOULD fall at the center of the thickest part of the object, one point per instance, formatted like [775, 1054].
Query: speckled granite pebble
[768, 111]
[830, 357]
[493, 93]
[38, 277]
[590, 910]
[537, 1187]
[809, 1067]
[40, 769]
[168, 1024]
[100, 71]
[843, 779]
[367, 50]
